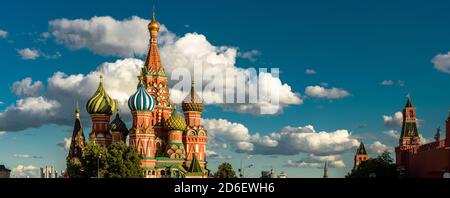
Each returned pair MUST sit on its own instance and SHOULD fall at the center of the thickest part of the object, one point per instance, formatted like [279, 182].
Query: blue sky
[353, 46]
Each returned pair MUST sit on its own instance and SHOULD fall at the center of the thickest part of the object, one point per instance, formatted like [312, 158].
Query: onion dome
[141, 100]
[100, 102]
[176, 122]
[193, 102]
[153, 25]
[118, 125]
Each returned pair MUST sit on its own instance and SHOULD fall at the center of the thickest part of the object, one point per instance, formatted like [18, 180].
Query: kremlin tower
[171, 145]
[360, 156]
[77, 142]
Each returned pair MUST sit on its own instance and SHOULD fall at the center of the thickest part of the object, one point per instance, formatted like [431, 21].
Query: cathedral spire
[153, 63]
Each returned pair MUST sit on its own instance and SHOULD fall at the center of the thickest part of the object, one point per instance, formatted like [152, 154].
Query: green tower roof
[100, 102]
[176, 122]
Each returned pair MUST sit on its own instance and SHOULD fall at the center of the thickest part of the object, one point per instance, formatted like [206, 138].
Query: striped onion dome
[100, 102]
[141, 100]
[176, 122]
[193, 102]
[118, 125]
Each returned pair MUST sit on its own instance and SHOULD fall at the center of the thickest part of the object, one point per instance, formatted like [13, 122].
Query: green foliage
[382, 166]
[118, 161]
[123, 162]
[225, 170]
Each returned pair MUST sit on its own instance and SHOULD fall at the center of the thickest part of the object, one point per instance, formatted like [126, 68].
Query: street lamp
[241, 170]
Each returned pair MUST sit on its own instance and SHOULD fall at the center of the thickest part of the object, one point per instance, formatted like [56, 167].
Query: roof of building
[175, 122]
[361, 149]
[193, 102]
[100, 102]
[195, 166]
[118, 125]
[141, 100]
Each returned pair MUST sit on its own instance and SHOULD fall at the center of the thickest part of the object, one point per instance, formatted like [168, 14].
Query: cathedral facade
[172, 145]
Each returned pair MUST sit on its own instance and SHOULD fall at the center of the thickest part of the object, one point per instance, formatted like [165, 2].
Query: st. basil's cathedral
[171, 145]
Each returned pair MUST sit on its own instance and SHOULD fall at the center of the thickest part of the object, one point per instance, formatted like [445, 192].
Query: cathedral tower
[142, 135]
[360, 156]
[78, 142]
[100, 106]
[119, 130]
[195, 136]
[175, 126]
[156, 81]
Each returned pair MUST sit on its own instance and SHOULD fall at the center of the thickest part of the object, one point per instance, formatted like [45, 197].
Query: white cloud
[393, 121]
[442, 62]
[399, 83]
[105, 35]
[29, 113]
[310, 71]
[424, 140]
[250, 55]
[28, 54]
[2, 133]
[393, 134]
[322, 92]
[26, 88]
[3, 34]
[387, 82]
[1, 103]
[295, 140]
[378, 147]
[313, 161]
[287, 141]
[65, 143]
[24, 171]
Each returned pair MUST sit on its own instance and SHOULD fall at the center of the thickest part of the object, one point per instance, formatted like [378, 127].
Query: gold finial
[153, 25]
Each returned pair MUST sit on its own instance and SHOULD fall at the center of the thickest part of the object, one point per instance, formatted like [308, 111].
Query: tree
[225, 170]
[382, 166]
[93, 161]
[123, 162]
[118, 161]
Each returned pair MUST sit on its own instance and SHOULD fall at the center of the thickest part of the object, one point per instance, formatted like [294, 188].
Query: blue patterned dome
[141, 100]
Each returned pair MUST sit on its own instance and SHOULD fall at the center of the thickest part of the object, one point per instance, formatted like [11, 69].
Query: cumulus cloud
[30, 112]
[105, 35]
[442, 62]
[295, 140]
[322, 92]
[26, 88]
[65, 144]
[24, 171]
[287, 141]
[393, 134]
[28, 54]
[3, 34]
[313, 161]
[310, 71]
[378, 147]
[250, 55]
[393, 121]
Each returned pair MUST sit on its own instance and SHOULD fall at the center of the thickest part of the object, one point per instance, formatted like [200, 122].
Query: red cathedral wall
[431, 161]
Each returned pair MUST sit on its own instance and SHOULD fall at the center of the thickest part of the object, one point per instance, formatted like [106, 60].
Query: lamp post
[98, 166]
[241, 170]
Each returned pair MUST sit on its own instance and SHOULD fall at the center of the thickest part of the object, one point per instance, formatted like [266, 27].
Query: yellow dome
[153, 25]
